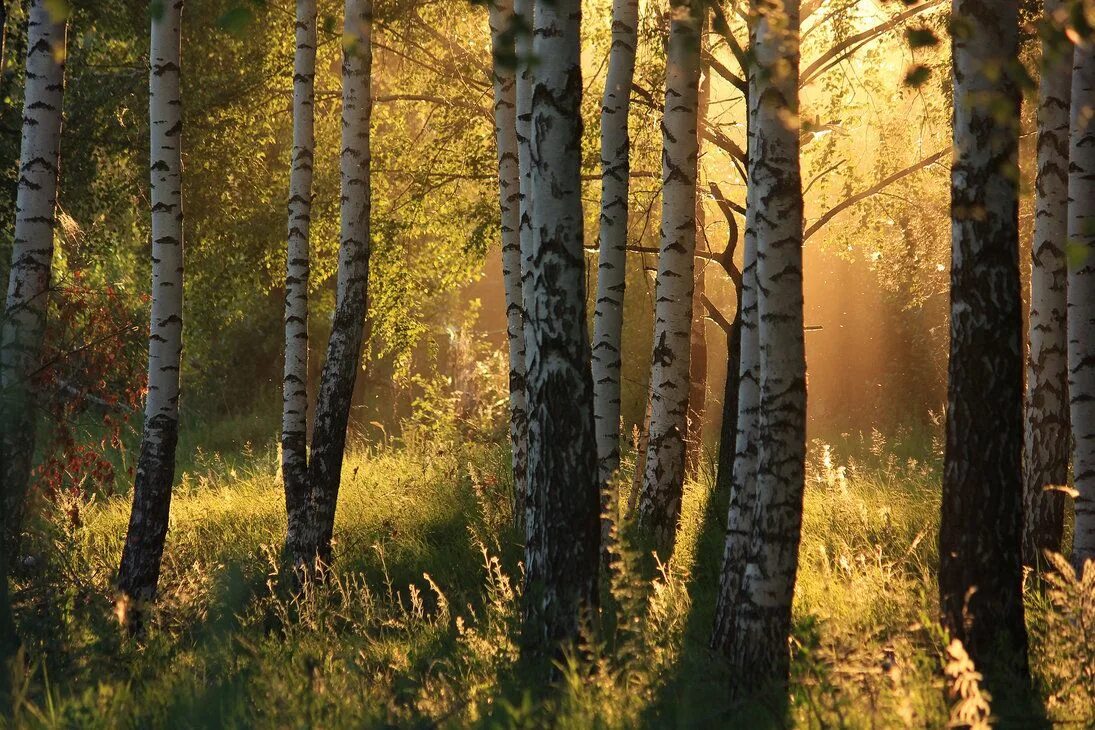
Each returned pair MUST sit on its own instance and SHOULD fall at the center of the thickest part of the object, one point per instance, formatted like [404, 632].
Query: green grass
[418, 625]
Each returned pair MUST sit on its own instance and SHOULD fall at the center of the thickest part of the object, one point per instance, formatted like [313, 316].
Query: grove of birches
[547, 363]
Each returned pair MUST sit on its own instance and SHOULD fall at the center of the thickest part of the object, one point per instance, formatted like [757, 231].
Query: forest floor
[418, 624]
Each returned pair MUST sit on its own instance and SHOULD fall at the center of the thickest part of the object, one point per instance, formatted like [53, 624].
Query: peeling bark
[663, 482]
[26, 307]
[980, 536]
[140, 567]
[509, 196]
[294, 414]
[1081, 298]
[563, 528]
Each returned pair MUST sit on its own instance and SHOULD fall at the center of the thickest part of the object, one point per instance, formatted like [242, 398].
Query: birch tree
[344, 348]
[757, 645]
[980, 561]
[1081, 297]
[502, 32]
[294, 418]
[1046, 442]
[563, 534]
[523, 11]
[663, 482]
[612, 256]
[697, 358]
[24, 319]
[140, 567]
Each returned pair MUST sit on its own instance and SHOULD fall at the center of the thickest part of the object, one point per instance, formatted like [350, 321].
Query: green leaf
[1076, 254]
[155, 9]
[917, 76]
[59, 10]
[236, 20]
[921, 38]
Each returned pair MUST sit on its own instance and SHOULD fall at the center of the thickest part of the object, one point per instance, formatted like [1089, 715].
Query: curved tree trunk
[758, 646]
[1047, 418]
[608, 315]
[24, 319]
[980, 536]
[294, 413]
[140, 569]
[663, 482]
[1081, 298]
[348, 325]
[563, 530]
[509, 196]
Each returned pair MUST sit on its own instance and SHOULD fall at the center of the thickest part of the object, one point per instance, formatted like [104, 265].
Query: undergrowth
[418, 623]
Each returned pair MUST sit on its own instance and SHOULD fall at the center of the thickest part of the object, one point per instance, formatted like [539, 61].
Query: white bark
[563, 528]
[981, 525]
[608, 315]
[523, 11]
[294, 418]
[140, 567]
[24, 318]
[1081, 298]
[1046, 442]
[663, 483]
[509, 196]
[348, 323]
[758, 648]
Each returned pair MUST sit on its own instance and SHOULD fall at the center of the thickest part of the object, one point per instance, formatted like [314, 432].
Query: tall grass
[418, 624]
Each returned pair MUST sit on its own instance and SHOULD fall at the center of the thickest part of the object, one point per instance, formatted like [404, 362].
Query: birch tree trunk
[762, 621]
[24, 318]
[663, 482]
[140, 568]
[1081, 298]
[563, 530]
[294, 414]
[523, 11]
[1046, 443]
[980, 537]
[509, 196]
[344, 347]
[608, 315]
[697, 358]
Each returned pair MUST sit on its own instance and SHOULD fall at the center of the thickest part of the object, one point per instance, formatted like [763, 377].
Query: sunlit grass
[419, 623]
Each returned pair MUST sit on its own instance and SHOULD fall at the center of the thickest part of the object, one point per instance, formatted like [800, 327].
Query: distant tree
[1047, 436]
[660, 498]
[140, 567]
[23, 325]
[1081, 297]
[344, 348]
[294, 414]
[980, 570]
[757, 645]
[502, 33]
[562, 547]
[612, 256]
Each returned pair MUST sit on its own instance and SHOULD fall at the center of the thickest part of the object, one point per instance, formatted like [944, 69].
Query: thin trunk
[1081, 298]
[563, 531]
[980, 535]
[697, 359]
[1047, 428]
[294, 413]
[663, 482]
[140, 569]
[762, 623]
[608, 315]
[523, 11]
[344, 347]
[724, 478]
[24, 321]
[509, 196]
